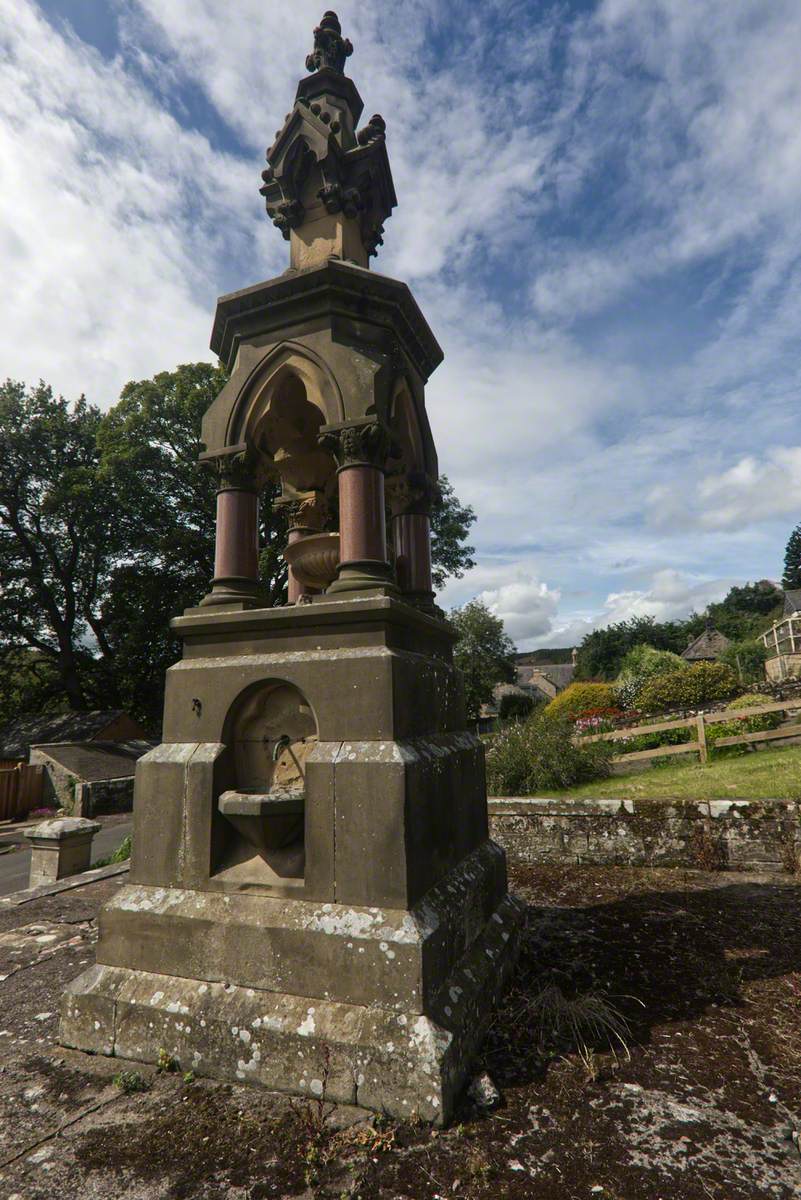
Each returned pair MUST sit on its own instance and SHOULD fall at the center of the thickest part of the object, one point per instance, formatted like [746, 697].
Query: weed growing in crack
[130, 1081]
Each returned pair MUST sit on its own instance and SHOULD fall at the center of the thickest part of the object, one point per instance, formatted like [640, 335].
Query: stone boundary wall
[759, 835]
[103, 796]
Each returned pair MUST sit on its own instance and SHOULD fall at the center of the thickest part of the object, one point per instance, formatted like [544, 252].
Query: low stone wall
[762, 835]
[104, 796]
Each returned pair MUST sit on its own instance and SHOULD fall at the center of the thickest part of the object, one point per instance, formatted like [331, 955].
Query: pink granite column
[236, 548]
[411, 535]
[361, 449]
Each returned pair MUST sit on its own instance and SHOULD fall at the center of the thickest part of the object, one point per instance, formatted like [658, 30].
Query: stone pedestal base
[59, 848]
[382, 1008]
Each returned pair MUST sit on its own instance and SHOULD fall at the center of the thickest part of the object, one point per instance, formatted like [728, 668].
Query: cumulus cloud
[526, 606]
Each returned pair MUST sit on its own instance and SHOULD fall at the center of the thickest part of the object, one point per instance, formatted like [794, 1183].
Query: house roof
[89, 761]
[792, 601]
[18, 736]
[709, 644]
[560, 674]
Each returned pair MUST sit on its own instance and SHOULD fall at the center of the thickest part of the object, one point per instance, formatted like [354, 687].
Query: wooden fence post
[703, 753]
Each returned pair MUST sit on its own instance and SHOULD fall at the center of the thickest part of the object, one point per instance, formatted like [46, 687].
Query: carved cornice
[359, 443]
[332, 292]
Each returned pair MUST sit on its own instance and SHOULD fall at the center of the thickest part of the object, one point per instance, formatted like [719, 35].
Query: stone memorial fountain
[314, 902]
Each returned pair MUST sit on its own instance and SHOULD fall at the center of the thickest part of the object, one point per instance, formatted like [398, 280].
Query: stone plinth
[385, 953]
[59, 848]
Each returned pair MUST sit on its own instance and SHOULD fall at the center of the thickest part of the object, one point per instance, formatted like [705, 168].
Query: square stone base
[409, 1059]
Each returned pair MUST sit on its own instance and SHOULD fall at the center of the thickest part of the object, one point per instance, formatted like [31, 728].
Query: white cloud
[526, 606]
[754, 489]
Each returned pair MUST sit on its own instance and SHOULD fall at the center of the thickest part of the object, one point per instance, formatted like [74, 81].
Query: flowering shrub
[598, 720]
[539, 755]
[642, 664]
[581, 698]
[690, 687]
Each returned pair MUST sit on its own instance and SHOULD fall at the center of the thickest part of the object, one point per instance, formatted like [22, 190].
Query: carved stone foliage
[330, 48]
[410, 492]
[311, 511]
[364, 443]
[351, 170]
[236, 470]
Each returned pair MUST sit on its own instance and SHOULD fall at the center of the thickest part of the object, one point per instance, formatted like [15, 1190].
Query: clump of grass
[120, 855]
[583, 1021]
[130, 1081]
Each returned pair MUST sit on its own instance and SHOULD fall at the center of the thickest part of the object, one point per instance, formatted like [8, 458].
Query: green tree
[601, 654]
[58, 536]
[484, 653]
[792, 560]
[451, 522]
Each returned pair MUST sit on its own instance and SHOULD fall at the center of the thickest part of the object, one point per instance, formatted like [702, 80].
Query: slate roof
[792, 601]
[18, 736]
[708, 645]
[89, 761]
[560, 674]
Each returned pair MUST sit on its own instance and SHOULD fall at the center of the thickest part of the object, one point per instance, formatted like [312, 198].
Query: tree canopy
[742, 615]
[792, 560]
[484, 653]
[107, 531]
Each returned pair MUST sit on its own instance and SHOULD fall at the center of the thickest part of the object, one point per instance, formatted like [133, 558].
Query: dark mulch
[705, 970]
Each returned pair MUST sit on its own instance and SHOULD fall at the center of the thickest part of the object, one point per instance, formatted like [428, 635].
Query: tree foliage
[58, 534]
[792, 560]
[451, 522]
[484, 653]
[742, 615]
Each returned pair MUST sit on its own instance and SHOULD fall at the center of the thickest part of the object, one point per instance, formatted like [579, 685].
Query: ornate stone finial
[330, 48]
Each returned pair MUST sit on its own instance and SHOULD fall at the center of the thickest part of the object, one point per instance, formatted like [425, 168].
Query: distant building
[707, 647]
[106, 767]
[17, 737]
[547, 678]
[541, 681]
[783, 641]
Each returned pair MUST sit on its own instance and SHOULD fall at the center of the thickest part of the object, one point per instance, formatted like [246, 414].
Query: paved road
[15, 866]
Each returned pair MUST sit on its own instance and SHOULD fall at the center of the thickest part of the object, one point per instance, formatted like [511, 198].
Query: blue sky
[600, 213]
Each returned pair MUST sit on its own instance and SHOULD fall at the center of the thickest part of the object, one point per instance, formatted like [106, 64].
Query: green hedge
[691, 687]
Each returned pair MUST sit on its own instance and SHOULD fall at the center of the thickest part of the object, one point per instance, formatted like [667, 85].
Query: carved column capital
[366, 443]
[235, 468]
[310, 511]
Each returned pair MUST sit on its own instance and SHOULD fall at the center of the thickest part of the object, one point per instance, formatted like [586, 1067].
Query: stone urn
[314, 559]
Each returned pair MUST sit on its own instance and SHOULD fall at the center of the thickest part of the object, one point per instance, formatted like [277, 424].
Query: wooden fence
[20, 791]
[699, 723]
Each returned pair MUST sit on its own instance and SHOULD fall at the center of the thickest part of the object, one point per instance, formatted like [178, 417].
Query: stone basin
[314, 559]
[268, 820]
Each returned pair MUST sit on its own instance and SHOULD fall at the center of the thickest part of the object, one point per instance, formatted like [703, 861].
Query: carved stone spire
[328, 185]
[330, 48]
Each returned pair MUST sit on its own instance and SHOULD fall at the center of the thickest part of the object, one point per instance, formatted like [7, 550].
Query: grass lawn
[767, 774]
